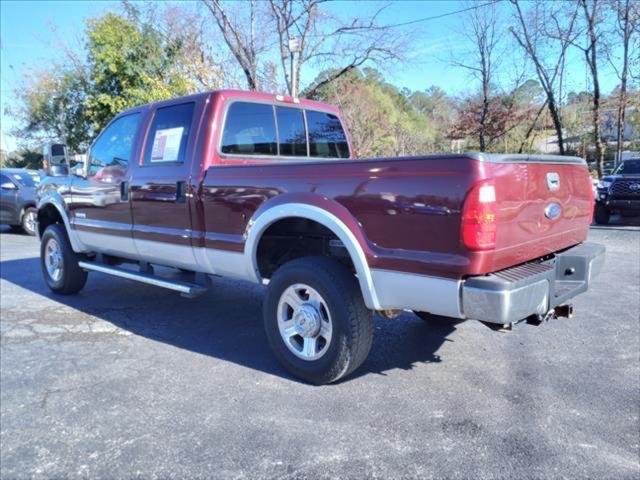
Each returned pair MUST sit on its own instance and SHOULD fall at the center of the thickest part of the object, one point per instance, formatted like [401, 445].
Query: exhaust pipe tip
[564, 311]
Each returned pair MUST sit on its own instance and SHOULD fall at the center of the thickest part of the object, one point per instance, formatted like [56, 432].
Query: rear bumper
[533, 288]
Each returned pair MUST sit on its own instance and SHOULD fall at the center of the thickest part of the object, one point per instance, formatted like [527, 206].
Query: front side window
[168, 135]
[111, 153]
[291, 132]
[249, 130]
[326, 136]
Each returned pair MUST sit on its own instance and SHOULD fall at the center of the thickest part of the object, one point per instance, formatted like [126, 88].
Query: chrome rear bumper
[516, 293]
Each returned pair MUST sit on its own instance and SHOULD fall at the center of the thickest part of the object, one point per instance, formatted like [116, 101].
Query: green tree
[127, 63]
[380, 117]
[23, 158]
[52, 107]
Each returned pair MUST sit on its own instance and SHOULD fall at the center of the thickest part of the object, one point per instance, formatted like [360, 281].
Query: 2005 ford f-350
[267, 189]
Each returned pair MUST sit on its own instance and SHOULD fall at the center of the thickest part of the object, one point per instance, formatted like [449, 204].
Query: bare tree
[329, 41]
[627, 22]
[241, 38]
[480, 29]
[201, 61]
[530, 35]
[526, 140]
[592, 16]
[322, 39]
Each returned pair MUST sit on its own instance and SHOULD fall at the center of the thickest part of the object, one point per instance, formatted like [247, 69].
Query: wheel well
[25, 207]
[296, 237]
[48, 215]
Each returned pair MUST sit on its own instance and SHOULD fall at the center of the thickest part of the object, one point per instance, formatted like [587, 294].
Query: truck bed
[408, 209]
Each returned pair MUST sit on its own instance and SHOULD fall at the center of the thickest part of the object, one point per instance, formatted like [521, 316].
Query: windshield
[26, 179]
[628, 167]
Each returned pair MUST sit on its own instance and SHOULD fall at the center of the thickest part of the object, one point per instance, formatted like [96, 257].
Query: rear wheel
[59, 262]
[601, 214]
[29, 218]
[316, 321]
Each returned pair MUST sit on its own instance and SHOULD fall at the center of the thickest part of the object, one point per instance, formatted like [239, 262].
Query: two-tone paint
[399, 218]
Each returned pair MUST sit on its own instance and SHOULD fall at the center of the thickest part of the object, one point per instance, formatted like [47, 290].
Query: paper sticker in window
[166, 145]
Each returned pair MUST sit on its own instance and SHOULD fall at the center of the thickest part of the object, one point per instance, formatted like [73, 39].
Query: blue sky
[32, 32]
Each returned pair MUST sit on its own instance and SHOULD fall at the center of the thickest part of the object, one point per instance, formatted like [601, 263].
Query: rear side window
[326, 137]
[249, 129]
[111, 152]
[168, 135]
[291, 132]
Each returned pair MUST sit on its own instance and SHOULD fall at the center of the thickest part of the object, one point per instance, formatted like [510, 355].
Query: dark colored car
[267, 189]
[619, 192]
[18, 198]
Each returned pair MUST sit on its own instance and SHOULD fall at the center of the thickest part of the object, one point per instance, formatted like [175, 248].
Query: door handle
[181, 191]
[124, 191]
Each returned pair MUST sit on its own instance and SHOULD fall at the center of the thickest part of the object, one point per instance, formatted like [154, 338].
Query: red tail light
[479, 222]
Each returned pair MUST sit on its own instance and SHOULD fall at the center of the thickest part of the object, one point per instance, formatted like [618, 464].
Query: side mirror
[55, 159]
[8, 186]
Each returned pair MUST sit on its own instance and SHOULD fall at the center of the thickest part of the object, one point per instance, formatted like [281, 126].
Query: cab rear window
[250, 129]
[268, 130]
[326, 136]
[292, 137]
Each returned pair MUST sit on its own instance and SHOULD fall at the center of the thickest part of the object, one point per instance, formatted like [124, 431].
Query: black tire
[72, 278]
[437, 319]
[601, 214]
[28, 221]
[351, 321]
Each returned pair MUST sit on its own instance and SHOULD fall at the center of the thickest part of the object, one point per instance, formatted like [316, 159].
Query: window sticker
[166, 145]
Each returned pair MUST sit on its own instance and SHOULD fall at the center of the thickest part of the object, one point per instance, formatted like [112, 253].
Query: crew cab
[619, 192]
[267, 189]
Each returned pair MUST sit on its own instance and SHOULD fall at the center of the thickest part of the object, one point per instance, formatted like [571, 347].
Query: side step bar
[186, 289]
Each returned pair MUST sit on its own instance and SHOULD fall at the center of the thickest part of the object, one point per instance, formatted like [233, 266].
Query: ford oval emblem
[552, 211]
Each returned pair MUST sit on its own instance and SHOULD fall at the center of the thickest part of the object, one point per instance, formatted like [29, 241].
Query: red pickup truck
[267, 189]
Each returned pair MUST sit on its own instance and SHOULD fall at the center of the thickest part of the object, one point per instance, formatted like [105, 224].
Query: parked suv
[619, 192]
[18, 198]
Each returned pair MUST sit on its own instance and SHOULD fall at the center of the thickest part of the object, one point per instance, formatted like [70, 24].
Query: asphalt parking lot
[125, 380]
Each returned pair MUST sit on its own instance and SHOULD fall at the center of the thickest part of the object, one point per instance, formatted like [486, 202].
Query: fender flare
[57, 203]
[264, 219]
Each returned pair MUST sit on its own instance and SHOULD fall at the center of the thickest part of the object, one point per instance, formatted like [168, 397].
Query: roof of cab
[228, 93]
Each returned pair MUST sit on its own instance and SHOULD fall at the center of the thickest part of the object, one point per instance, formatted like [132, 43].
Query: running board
[186, 289]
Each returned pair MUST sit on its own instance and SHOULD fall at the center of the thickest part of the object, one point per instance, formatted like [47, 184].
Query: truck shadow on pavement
[225, 322]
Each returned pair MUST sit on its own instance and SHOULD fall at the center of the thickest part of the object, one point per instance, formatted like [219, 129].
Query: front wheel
[316, 321]
[29, 221]
[59, 262]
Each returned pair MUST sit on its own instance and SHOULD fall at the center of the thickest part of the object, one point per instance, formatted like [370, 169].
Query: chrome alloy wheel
[30, 221]
[53, 259]
[304, 322]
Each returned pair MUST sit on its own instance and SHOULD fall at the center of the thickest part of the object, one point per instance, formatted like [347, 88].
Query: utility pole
[294, 46]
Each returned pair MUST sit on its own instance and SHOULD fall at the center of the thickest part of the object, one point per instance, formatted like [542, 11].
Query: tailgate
[544, 204]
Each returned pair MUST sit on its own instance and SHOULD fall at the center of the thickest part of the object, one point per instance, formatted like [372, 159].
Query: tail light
[479, 223]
